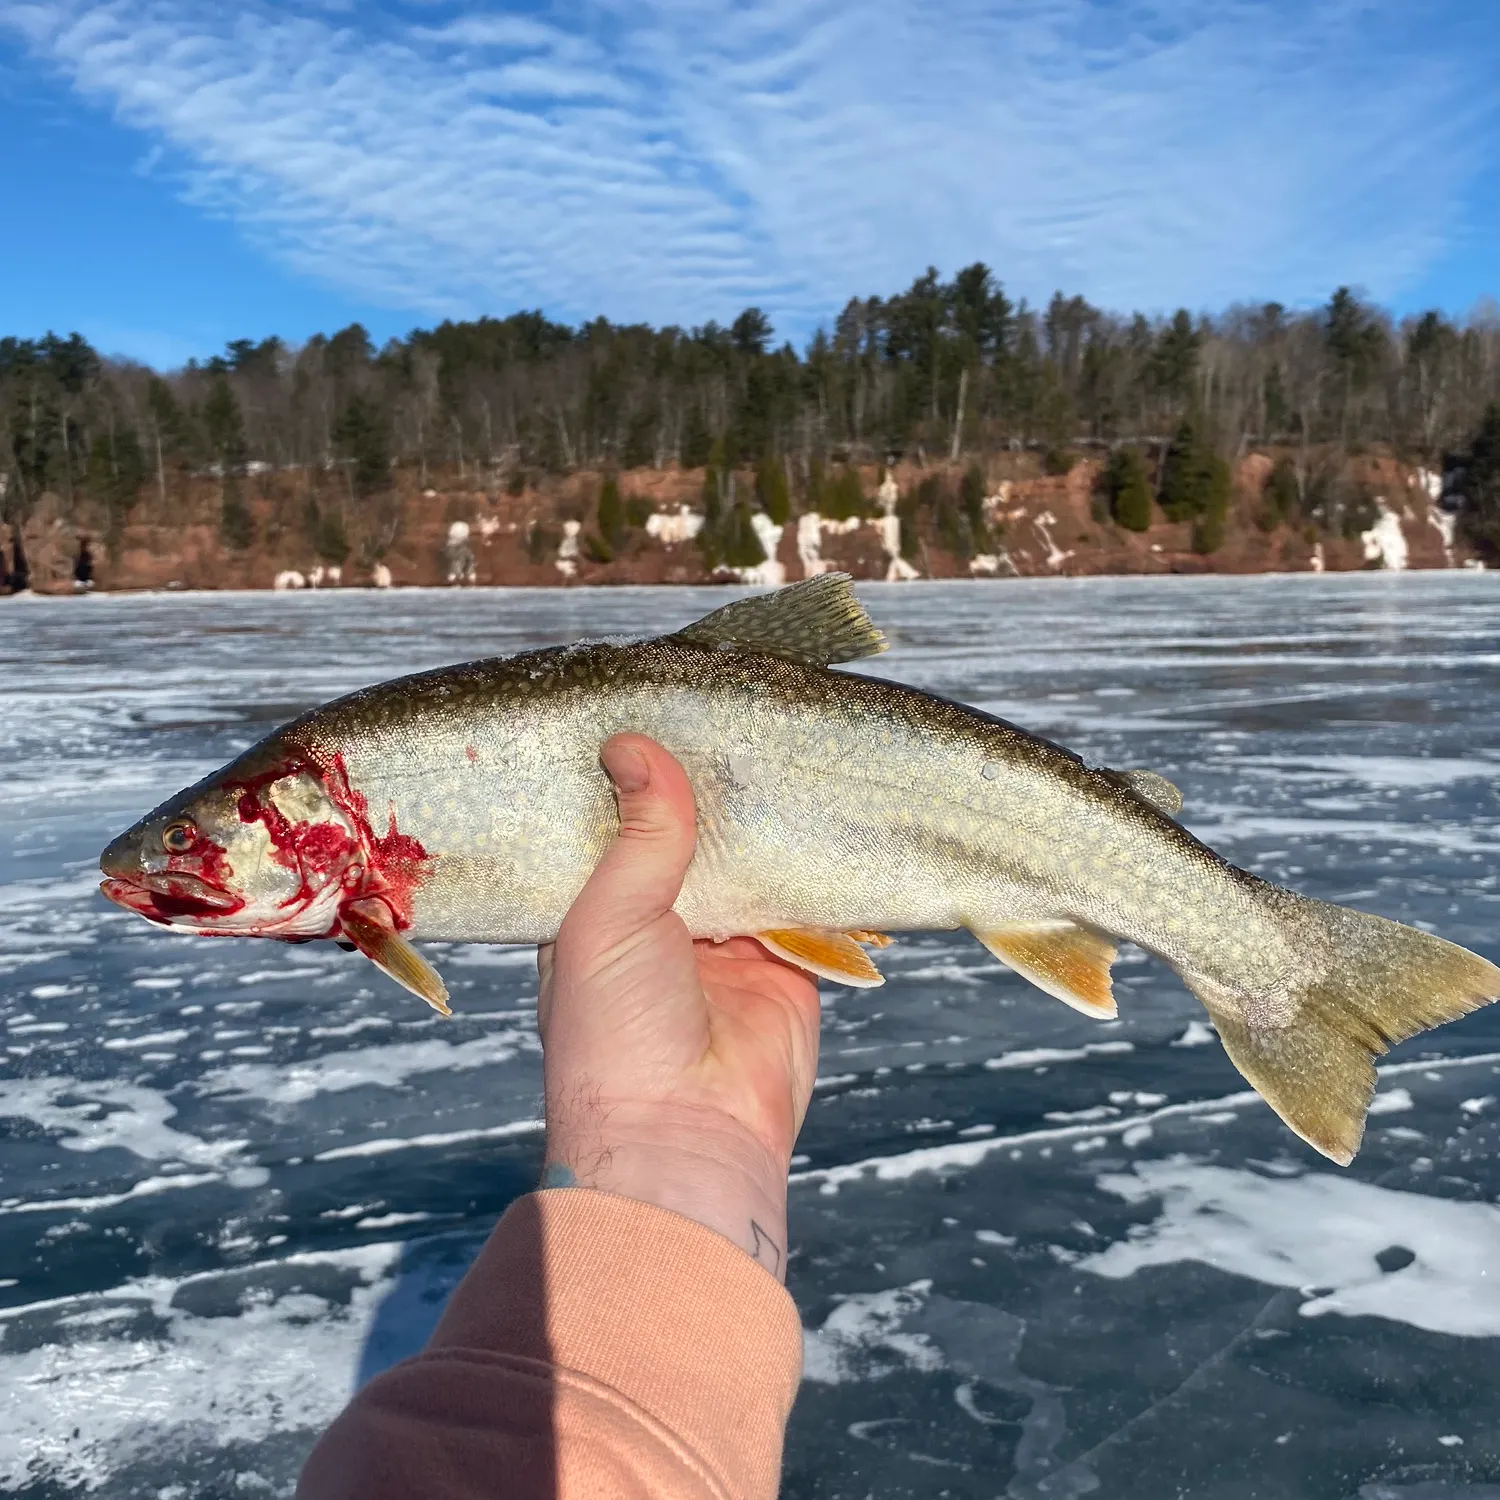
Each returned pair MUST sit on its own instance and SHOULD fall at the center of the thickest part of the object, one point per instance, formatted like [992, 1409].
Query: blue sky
[176, 173]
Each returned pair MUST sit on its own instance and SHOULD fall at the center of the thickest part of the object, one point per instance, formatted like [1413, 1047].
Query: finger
[641, 873]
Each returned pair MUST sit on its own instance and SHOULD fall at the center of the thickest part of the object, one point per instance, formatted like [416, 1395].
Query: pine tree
[844, 495]
[1128, 489]
[611, 513]
[236, 524]
[224, 428]
[772, 491]
[1479, 517]
[1281, 499]
[330, 540]
[971, 502]
[696, 441]
[739, 546]
[362, 438]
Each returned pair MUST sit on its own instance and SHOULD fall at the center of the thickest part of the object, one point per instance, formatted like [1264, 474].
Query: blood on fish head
[267, 854]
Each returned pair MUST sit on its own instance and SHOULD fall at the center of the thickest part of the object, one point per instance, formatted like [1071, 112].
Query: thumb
[641, 873]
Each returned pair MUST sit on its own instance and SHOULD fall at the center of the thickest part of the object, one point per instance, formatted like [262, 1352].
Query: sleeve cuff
[678, 1321]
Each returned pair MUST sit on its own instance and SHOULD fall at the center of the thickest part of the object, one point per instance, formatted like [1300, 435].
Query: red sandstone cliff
[1044, 526]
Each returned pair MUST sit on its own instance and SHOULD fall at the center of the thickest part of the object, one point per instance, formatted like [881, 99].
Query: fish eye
[179, 837]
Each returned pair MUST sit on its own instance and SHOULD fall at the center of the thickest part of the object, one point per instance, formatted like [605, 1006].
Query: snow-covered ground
[1036, 1256]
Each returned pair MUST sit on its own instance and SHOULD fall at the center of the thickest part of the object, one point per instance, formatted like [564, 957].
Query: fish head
[244, 853]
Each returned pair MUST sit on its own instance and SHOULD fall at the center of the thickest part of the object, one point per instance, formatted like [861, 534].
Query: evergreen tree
[696, 441]
[954, 533]
[236, 524]
[116, 468]
[1281, 499]
[330, 540]
[844, 496]
[1127, 489]
[1479, 516]
[1194, 477]
[750, 332]
[1209, 528]
[224, 428]
[716, 482]
[772, 491]
[739, 546]
[361, 437]
[611, 513]
[971, 502]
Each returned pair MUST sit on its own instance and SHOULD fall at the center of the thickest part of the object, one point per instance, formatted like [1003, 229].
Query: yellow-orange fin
[871, 939]
[830, 955]
[1067, 961]
[367, 924]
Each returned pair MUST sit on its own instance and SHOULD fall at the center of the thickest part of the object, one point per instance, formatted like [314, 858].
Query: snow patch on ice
[1318, 1231]
[860, 1338]
[1039, 1056]
[1380, 771]
[110, 1115]
[73, 1413]
[382, 1067]
[387, 1144]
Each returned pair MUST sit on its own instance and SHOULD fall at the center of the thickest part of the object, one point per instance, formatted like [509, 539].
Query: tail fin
[1380, 984]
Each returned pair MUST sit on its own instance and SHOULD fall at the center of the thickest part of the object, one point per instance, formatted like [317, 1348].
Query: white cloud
[677, 159]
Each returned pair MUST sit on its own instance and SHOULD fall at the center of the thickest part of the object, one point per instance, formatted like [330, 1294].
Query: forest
[945, 371]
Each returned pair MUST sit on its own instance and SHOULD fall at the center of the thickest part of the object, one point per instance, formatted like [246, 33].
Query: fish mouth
[163, 898]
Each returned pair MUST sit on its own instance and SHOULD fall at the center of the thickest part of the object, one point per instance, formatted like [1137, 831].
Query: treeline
[942, 371]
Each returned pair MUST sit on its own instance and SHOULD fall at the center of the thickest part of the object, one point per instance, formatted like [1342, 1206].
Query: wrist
[694, 1162]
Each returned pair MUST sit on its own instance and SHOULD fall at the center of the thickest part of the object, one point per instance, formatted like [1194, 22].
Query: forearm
[692, 1162]
[598, 1345]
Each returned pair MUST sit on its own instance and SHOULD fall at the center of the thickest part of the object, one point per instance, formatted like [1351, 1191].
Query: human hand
[676, 1072]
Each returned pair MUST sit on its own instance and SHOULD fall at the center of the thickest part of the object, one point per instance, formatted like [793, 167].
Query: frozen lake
[1036, 1256]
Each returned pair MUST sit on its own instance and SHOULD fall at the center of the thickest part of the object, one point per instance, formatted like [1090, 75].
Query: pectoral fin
[1067, 961]
[367, 924]
[831, 955]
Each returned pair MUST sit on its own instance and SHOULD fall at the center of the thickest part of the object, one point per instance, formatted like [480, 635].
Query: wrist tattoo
[766, 1250]
[558, 1174]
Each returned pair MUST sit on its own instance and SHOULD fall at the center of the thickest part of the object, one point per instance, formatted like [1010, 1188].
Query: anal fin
[367, 924]
[831, 955]
[1066, 960]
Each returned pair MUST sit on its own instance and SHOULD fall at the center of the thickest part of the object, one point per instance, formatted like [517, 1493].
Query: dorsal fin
[815, 622]
[1156, 790]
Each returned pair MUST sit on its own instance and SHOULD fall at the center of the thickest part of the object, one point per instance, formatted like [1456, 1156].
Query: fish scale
[468, 804]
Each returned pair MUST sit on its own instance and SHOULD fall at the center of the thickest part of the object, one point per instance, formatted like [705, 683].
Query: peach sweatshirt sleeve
[598, 1347]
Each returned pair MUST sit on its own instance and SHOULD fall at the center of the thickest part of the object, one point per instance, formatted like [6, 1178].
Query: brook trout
[468, 804]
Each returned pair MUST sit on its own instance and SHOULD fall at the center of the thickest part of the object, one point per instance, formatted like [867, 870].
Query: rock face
[476, 531]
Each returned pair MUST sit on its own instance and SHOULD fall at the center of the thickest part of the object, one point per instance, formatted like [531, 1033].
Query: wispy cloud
[678, 159]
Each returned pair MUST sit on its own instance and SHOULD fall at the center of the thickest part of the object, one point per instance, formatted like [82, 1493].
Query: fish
[833, 809]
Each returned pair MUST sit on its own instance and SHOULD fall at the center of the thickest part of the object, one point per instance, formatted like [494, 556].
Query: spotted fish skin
[825, 799]
[468, 803]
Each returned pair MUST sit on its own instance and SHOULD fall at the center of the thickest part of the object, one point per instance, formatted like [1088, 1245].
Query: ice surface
[1036, 1256]
[1323, 1233]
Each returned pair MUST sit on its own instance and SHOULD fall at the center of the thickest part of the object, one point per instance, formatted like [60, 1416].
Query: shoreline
[48, 596]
